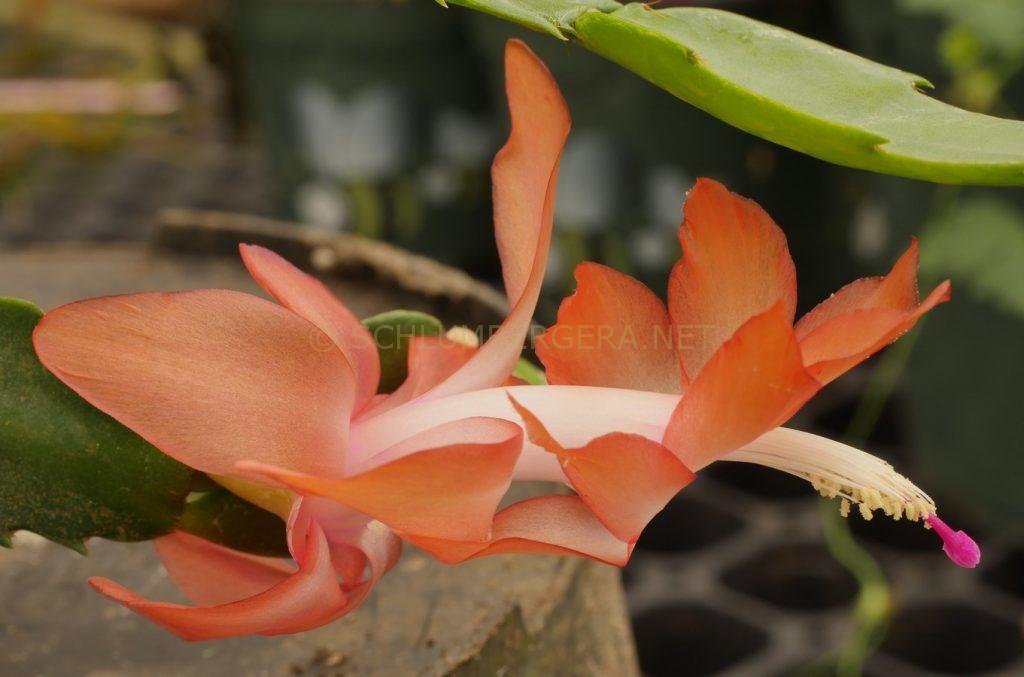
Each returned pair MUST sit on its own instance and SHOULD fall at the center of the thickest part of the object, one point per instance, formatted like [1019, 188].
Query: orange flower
[727, 343]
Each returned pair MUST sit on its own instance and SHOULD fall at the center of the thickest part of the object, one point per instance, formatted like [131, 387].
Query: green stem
[870, 616]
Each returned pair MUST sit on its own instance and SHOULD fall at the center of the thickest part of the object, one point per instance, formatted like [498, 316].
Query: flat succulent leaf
[223, 518]
[792, 90]
[68, 471]
[547, 16]
[980, 245]
[392, 331]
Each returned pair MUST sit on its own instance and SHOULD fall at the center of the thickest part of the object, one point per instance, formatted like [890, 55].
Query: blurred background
[380, 118]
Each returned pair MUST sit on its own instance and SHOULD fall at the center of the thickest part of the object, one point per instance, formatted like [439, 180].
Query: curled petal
[356, 542]
[211, 575]
[735, 265]
[863, 317]
[244, 377]
[625, 479]
[524, 174]
[546, 525]
[445, 483]
[307, 297]
[301, 601]
[612, 332]
[753, 383]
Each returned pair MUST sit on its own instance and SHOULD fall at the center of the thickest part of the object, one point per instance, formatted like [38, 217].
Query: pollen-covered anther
[837, 470]
[869, 499]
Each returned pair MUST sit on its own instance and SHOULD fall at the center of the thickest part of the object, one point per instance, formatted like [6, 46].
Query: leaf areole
[225, 519]
[392, 331]
[68, 471]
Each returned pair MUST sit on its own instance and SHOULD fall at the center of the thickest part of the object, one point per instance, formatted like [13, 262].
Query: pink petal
[432, 359]
[447, 483]
[302, 601]
[546, 525]
[625, 479]
[208, 377]
[574, 415]
[735, 265]
[211, 575]
[356, 541]
[752, 384]
[524, 174]
[308, 298]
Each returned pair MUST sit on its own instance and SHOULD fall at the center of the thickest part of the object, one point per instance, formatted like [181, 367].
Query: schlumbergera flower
[727, 343]
[277, 401]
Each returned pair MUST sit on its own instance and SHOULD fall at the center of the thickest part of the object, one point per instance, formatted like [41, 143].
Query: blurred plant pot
[375, 120]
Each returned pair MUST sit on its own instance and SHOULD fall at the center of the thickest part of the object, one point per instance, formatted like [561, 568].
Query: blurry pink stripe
[93, 96]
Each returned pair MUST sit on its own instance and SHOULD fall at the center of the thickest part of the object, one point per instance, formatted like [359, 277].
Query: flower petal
[625, 479]
[524, 175]
[753, 383]
[211, 575]
[548, 525]
[432, 359]
[735, 265]
[445, 483]
[863, 317]
[612, 332]
[356, 541]
[241, 376]
[302, 601]
[308, 298]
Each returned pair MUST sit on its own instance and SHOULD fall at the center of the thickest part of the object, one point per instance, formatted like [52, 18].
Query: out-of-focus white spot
[665, 190]
[590, 183]
[323, 205]
[870, 231]
[554, 273]
[370, 137]
[652, 248]
[439, 184]
[461, 139]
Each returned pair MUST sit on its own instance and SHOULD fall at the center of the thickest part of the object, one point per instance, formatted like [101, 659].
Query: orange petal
[307, 297]
[524, 175]
[735, 265]
[612, 332]
[753, 383]
[447, 483]
[546, 525]
[301, 601]
[624, 479]
[863, 317]
[431, 360]
[209, 377]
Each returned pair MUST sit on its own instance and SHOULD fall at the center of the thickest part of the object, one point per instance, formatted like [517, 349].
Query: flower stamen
[837, 470]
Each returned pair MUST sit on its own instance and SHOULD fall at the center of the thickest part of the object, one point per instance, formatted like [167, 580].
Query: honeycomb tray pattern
[733, 578]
